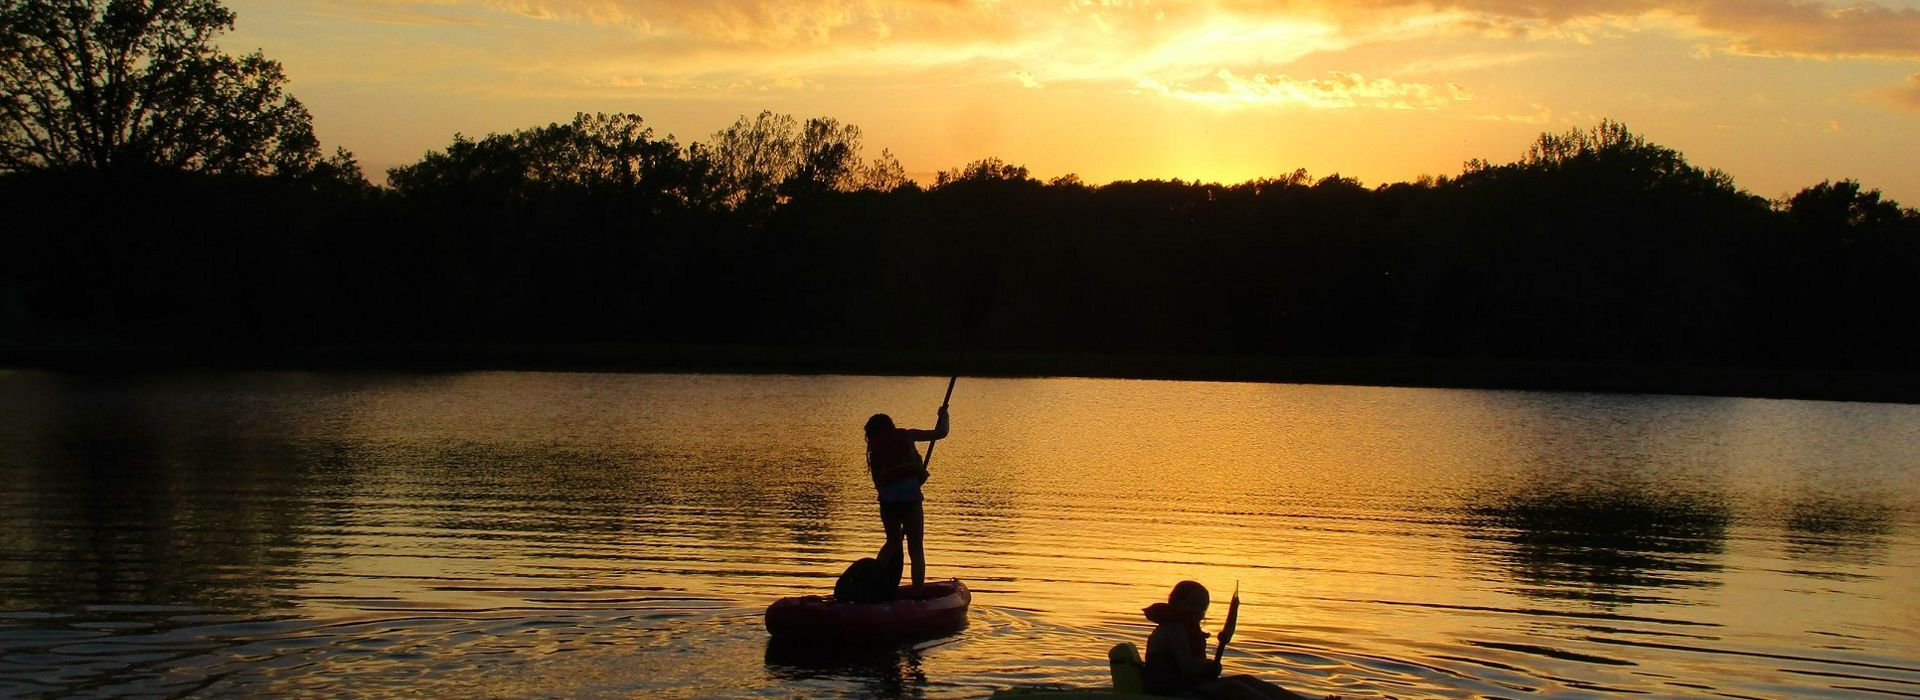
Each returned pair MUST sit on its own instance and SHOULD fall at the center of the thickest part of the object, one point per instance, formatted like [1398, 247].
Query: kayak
[1123, 660]
[938, 609]
[1068, 694]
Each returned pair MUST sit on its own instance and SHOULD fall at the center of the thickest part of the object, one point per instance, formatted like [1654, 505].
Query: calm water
[518, 534]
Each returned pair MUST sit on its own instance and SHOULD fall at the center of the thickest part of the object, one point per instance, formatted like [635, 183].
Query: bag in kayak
[865, 581]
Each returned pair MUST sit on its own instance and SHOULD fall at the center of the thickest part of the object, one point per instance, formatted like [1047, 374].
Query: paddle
[1233, 618]
[943, 406]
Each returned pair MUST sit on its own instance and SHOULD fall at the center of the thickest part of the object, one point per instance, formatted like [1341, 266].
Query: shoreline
[1877, 386]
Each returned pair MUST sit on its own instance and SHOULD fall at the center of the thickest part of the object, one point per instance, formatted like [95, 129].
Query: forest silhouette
[1594, 247]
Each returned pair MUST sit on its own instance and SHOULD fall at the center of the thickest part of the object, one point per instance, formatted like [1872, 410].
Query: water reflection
[510, 534]
[1604, 546]
[130, 525]
[873, 673]
[130, 505]
[811, 510]
[1850, 532]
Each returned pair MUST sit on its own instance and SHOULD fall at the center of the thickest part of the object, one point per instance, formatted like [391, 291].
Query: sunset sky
[1780, 94]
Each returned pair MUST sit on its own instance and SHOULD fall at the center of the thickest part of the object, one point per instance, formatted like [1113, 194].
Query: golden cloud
[410, 13]
[1906, 95]
[1198, 50]
[1815, 30]
[1338, 91]
[1539, 114]
[1797, 27]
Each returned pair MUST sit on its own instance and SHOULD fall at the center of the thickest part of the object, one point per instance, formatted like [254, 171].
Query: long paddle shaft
[943, 406]
[1233, 619]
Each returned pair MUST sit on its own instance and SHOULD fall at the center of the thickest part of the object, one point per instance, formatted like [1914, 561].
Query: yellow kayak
[1070, 694]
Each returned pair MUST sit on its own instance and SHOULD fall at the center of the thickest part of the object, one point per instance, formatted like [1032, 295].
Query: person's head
[1190, 595]
[878, 424]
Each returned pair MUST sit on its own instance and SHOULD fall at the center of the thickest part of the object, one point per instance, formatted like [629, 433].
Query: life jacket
[1161, 673]
[891, 450]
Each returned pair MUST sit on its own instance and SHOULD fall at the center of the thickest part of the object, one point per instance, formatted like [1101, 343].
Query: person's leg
[916, 526]
[893, 517]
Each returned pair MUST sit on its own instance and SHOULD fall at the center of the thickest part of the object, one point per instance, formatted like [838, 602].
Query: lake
[520, 534]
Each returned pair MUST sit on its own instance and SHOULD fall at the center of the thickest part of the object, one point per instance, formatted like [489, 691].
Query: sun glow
[1060, 87]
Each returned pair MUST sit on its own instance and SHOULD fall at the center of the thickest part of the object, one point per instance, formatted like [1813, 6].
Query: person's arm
[939, 431]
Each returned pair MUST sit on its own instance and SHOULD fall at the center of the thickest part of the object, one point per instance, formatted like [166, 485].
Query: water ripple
[511, 534]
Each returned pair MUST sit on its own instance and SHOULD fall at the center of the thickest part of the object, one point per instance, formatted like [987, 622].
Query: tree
[1840, 209]
[884, 174]
[769, 159]
[130, 85]
[827, 159]
[983, 170]
[754, 156]
[601, 154]
[1609, 149]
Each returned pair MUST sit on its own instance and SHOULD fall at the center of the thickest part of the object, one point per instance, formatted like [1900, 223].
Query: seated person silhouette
[1177, 663]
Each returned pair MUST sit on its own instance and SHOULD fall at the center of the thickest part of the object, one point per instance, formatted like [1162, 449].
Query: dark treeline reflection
[1839, 532]
[1621, 543]
[234, 493]
[1605, 545]
[122, 501]
[1594, 246]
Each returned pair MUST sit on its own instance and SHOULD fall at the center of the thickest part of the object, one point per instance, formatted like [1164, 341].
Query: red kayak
[938, 609]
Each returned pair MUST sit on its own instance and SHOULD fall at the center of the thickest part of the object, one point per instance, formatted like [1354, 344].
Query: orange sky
[1780, 94]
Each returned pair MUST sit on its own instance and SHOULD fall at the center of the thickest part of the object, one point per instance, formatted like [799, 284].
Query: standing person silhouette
[898, 472]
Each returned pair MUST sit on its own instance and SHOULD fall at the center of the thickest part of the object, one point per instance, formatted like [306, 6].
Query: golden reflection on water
[1386, 541]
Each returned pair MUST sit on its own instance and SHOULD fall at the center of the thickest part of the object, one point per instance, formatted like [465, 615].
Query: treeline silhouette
[1594, 246]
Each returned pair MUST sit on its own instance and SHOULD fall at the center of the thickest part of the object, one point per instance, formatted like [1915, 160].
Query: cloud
[604, 12]
[781, 24]
[554, 47]
[398, 13]
[1857, 30]
[1827, 29]
[1906, 95]
[1338, 91]
[1182, 45]
[1540, 114]
[1166, 28]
